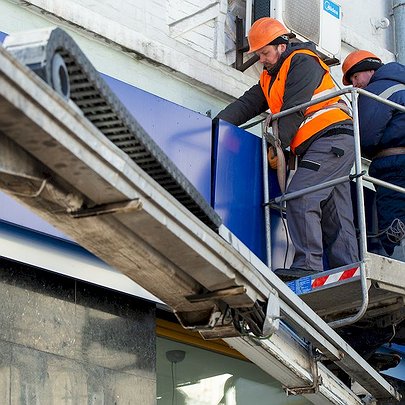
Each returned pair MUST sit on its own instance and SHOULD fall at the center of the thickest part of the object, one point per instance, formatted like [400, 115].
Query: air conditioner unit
[309, 20]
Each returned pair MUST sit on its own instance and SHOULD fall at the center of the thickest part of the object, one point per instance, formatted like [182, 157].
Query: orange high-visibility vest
[318, 118]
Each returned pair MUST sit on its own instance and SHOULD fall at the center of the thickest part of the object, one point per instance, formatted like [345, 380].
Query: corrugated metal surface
[303, 17]
[184, 135]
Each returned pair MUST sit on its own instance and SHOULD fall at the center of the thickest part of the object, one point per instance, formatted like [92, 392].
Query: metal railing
[358, 176]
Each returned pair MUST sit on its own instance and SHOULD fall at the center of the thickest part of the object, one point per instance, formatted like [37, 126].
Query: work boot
[294, 273]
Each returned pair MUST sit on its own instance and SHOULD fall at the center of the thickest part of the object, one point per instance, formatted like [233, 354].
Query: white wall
[363, 22]
[176, 48]
[367, 24]
[136, 43]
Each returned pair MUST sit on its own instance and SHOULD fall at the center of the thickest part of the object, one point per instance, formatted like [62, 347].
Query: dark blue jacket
[381, 126]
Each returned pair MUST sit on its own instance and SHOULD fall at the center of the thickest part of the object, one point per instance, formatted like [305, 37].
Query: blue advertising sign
[238, 193]
[184, 135]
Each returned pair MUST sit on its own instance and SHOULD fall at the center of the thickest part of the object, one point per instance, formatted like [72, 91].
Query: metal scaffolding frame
[358, 177]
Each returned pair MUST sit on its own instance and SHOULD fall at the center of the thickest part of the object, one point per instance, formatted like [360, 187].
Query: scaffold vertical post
[266, 197]
[359, 179]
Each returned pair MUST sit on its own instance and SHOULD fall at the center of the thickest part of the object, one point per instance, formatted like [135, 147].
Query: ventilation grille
[261, 8]
[303, 18]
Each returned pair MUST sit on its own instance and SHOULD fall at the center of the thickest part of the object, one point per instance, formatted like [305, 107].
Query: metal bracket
[241, 47]
[272, 320]
[395, 315]
[217, 325]
[35, 194]
[316, 378]
[113, 208]
[355, 176]
[218, 294]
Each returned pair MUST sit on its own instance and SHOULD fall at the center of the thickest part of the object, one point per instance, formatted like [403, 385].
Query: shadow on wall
[61, 338]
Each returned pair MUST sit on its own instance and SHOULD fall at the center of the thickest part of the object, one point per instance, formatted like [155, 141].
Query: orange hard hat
[354, 59]
[263, 31]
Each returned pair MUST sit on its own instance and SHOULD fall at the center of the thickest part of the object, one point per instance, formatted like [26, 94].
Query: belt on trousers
[390, 152]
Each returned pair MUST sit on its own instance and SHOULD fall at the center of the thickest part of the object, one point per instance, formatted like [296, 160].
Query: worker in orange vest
[320, 136]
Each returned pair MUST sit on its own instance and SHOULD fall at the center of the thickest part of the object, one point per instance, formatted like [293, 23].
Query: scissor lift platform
[337, 293]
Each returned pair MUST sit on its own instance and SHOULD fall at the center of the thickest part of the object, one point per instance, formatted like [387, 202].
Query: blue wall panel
[238, 185]
[238, 192]
[184, 135]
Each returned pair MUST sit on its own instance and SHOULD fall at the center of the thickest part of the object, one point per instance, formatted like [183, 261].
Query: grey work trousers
[323, 220]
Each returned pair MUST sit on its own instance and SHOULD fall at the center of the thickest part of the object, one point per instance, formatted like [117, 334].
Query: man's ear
[283, 47]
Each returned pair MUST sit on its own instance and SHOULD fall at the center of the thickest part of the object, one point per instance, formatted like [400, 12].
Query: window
[206, 377]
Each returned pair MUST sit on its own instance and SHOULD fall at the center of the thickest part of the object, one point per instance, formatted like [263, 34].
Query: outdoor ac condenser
[309, 20]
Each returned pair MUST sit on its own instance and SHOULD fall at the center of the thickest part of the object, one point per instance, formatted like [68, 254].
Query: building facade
[74, 330]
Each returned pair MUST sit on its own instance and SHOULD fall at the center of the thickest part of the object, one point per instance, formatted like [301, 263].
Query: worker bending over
[321, 137]
[382, 134]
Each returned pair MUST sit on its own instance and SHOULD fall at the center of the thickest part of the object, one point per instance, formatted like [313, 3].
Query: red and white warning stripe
[333, 278]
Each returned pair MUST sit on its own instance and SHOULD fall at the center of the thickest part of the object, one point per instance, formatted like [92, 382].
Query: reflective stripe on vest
[318, 118]
[387, 93]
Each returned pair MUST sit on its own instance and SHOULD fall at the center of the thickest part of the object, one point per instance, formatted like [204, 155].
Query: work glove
[272, 157]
